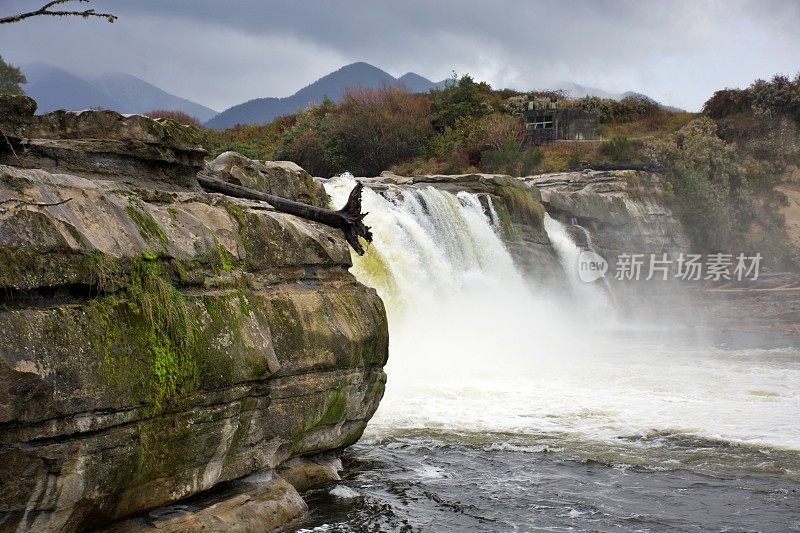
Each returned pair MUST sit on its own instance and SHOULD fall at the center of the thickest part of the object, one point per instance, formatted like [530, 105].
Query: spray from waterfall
[454, 297]
[476, 347]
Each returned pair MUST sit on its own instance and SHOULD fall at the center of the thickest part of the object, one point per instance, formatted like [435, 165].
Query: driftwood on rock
[349, 219]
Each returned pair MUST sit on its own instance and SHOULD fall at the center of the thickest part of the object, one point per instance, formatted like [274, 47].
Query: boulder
[278, 178]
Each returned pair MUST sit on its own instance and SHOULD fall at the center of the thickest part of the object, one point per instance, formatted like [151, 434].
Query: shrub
[373, 129]
[256, 141]
[635, 107]
[709, 195]
[780, 96]
[304, 142]
[510, 159]
[177, 115]
[459, 100]
[695, 148]
[618, 149]
[727, 102]
[703, 208]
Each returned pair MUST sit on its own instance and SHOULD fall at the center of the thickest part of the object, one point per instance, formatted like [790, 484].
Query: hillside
[55, 88]
[264, 110]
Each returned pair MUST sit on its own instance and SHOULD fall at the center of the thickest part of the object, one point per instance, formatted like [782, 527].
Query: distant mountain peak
[333, 85]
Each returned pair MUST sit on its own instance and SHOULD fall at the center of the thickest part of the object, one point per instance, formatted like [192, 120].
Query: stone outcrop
[105, 145]
[161, 346]
[518, 208]
[278, 178]
[622, 210]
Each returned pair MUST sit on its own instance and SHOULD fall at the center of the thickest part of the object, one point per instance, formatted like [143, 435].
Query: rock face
[278, 178]
[159, 343]
[99, 144]
[518, 208]
[613, 207]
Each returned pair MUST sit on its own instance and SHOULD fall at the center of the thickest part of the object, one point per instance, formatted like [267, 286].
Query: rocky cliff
[622, 210]
[159, 343]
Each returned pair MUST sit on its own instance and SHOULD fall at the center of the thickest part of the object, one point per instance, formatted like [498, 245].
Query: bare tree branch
[45, 11]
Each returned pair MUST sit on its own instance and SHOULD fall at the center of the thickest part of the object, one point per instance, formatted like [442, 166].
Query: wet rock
[304, 473]
[623, 210]
[250, 505]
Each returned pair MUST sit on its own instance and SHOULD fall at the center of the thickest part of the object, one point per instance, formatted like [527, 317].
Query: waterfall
[592, 297]
[453, 295]
[477, 348]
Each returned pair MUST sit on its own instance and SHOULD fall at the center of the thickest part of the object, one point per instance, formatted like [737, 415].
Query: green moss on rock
[335, 407]
[148, 227]
[523, 205]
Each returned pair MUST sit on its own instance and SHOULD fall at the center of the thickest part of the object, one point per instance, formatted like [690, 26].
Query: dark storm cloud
[221, 53]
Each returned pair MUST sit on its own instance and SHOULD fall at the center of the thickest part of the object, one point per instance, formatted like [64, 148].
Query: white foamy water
[475, 347]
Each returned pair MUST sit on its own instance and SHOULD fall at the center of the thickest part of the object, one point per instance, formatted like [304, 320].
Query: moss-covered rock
[153, 346]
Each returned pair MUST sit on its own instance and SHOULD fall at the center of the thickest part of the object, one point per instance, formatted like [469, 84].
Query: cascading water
[452, 292]
[592, 299]
[487, 373]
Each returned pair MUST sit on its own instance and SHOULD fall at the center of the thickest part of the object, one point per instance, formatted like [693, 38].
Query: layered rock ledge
[622, 210]
[158, 343]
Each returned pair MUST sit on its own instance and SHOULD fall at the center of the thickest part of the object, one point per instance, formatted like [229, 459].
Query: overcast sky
[220, 53]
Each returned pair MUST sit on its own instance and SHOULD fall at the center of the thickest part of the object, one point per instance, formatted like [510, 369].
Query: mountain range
[333, 85]
[55, 88]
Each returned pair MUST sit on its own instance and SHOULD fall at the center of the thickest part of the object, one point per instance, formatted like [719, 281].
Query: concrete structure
[547, 122]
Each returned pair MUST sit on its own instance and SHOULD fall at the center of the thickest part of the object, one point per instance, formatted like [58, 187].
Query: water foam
[477, 347]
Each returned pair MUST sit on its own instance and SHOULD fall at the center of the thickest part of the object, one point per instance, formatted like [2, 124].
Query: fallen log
[349, 219]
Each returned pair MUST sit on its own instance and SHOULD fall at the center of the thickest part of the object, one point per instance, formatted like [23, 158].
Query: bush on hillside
[374, 129]
[727, 102]
[769, 99]
[780, 96]
[618, 150]
[459, 100]
[177, 115]
[256, 141]
[630, 108]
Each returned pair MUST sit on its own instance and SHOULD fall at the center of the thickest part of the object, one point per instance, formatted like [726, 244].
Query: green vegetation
[335, 407]
[148, 227]
[722, 193]
[465, 127]
[778, 97]
[11, 79]
[165, 324]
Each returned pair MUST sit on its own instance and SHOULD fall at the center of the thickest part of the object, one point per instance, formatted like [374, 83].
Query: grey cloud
[221, 53]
